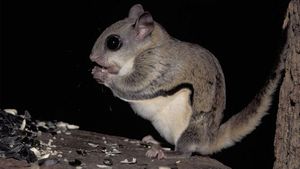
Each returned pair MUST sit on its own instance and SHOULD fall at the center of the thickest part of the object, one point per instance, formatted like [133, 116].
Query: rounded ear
[144, 25]
[136, 11]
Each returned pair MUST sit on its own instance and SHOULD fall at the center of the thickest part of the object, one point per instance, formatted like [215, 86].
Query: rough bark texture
[105, 149]
[287, 138]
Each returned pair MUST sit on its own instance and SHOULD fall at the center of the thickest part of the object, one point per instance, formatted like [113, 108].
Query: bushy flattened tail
[243, 123]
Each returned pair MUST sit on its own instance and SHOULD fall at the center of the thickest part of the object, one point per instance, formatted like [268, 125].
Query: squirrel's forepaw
[156, 152]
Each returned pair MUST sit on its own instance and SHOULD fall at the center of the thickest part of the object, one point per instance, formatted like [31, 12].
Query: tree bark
[95, 151]
[287, 137]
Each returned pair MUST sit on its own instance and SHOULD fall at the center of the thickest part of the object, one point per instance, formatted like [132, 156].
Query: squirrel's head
[121, 42]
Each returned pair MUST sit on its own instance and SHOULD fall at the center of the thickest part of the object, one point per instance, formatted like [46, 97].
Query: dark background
[45, 68]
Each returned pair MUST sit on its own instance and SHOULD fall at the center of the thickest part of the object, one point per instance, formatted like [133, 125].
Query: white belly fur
[170, 115]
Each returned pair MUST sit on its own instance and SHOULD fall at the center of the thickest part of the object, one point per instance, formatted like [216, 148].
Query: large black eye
[113, 42]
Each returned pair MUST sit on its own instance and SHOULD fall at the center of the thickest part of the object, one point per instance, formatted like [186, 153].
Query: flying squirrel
[178, 86]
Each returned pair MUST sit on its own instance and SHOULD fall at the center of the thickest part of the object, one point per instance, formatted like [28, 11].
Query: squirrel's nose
[93, 57]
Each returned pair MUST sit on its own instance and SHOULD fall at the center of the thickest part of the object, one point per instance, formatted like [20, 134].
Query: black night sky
[45, 68]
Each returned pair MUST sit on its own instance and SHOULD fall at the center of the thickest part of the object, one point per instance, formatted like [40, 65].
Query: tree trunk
[287, 138]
